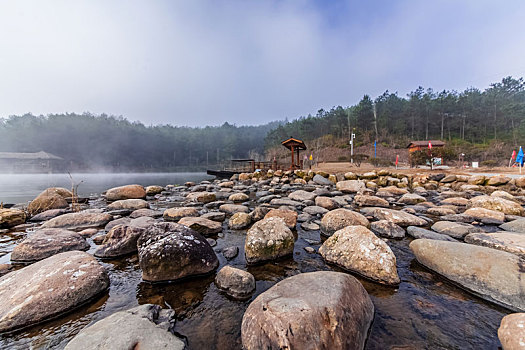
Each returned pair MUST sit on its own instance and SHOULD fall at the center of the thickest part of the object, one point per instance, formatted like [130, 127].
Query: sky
[199, 62]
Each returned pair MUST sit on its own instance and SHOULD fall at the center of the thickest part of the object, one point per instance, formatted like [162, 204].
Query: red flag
[513, 154]
[429, 145]
[397, 159]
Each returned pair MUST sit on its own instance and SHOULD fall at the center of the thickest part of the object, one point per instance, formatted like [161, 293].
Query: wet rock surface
[78, 221]
[268, 239]
[236, 283]
[316, 310]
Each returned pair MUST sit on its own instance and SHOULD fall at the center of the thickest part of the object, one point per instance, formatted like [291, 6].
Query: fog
[201, 63]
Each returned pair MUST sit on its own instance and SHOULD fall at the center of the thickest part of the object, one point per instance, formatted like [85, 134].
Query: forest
[492, 120]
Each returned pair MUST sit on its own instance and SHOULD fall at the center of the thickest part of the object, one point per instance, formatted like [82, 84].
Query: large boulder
[236, 283]
[511, 332]
[398, 217]
[419, 232]
[49, 288]
[489, 273]
[47, 242]
[175, 214]
[514, 226]
[126, 192]
[170, 251]
[79, 221]
[512, 242]
[289, 216]
[119, 241]
[202, 197]
[498, 180]
[268, 239]
[326, 202]
[321, 180]
[46, 200]
[456, 230]
[503, 205]
[240, 221]
[143, 327]
[411, 198]
[385, 228]
[48, 214]
[314, 310]
[301, 195]
[350, 186]
[370, 201]
[339, 218]
[131, 204]
[11, 217]
[202, 225]
[486, 216]
[357, 249]
[231, 209]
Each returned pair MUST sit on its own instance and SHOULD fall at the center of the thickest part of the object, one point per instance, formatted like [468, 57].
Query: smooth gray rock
[418, 232]
[236, 283]
[385, 228]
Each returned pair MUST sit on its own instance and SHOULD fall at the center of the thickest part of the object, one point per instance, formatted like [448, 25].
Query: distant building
[38, 162]
[423, 145]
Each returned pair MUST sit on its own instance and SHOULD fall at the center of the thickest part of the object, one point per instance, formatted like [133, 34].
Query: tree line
[473, 116]
[89, 141]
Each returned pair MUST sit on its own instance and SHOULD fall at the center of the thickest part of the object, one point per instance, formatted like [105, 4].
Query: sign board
[475, 164]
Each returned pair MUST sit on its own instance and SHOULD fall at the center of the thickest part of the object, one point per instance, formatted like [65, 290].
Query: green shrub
[342, 159]
[380, 162]
[489, 163]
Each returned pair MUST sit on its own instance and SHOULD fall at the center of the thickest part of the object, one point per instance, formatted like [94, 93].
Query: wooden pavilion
[295, 145]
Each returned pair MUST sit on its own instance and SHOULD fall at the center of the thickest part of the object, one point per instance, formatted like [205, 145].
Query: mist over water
[20, 188]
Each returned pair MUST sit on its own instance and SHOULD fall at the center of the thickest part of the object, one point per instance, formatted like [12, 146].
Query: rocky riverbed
[267, 260]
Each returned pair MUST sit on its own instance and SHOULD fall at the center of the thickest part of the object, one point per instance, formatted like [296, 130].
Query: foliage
[380, 162]
[489, 163]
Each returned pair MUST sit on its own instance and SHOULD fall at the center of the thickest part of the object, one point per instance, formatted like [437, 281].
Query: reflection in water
[423, 312]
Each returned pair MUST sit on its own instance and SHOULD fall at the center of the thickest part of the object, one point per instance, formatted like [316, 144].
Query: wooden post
[293, 161]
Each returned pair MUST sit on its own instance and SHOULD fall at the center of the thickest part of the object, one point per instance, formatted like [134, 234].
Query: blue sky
[246, 62]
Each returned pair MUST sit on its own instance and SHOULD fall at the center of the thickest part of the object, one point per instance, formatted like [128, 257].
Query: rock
[231, 209]
[498, 180]
[143, 327]
[121, 221]
[511, 332]
[398, 217]
[286, 202]
[511, 242]
[99, 239]
[11, 217]
[391, 191]
[385, 228]
[339, 218]
[126, 192]
[326, 202]
[477, 180]
[520, 182]
[489, 273]
[309, 226]
[131, 204]
[45, 201]
[119, 241]
[145, 212]
[301, 195]
[153, 190]
[202, 225]
[169, 251]
[320, 180]
[47, 242]
[440, 211]
[202, 197]
[358, 249]
[268, 239]
[448, 179]
[227, 184]
[230, 252]
[503, 194]
[88, 232]
[315, 210]
[514, 226]
[240, 221]
[289, 216]
[458, 201]
[370, 201]
[236, 283]
[454, 229]
[48, 214]
[238, 197]
[411, 198]
[314, 310]
[486, 216]
[79, 221]
[350, 186]
[498, 204]
[418, 232]
[175, 214]
[49, 288]
[215, 216]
